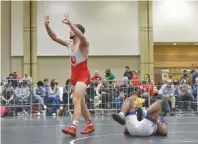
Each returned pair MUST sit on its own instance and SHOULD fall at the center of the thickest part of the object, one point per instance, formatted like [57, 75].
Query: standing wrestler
[78, 47]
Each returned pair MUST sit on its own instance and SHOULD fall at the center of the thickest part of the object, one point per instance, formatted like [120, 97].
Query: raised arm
[53, 35]
[76, 30]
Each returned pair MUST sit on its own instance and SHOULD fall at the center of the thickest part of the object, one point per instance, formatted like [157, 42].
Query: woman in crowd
[8, 94]
[22, 93]
[54, 97]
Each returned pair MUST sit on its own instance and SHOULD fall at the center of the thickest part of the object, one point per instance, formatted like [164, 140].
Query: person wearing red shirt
[147, 89]
[16, 75]
[96, 76]
[134, 80]
[147, 86]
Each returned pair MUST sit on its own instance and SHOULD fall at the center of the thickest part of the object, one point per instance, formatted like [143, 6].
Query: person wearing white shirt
[167, 92]
[27, 78]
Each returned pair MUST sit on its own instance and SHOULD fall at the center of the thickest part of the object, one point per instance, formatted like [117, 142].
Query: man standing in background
[128, 73]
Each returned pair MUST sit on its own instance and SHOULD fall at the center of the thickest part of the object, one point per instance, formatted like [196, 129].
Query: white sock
[75, 122]
[122, 115]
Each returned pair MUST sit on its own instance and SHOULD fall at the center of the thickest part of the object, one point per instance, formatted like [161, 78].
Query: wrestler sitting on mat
[151, 124]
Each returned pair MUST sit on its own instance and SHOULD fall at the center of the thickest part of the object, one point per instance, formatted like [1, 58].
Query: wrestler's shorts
[145, 127]
[82, 77]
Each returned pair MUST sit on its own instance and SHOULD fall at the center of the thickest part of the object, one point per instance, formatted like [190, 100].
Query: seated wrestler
[151, 124]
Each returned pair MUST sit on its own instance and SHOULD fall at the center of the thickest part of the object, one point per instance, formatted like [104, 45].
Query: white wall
[16, 28]
[175, 21]
[111, 27]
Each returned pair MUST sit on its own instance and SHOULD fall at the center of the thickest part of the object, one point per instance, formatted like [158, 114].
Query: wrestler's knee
[75, 100]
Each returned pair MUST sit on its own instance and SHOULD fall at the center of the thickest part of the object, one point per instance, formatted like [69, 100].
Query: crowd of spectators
[103, 92]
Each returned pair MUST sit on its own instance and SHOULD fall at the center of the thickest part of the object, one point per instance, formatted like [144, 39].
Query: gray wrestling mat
[47, 130]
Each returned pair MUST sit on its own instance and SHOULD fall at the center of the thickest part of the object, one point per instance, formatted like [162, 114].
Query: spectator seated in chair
[184, 95]
[67, 92]
[121, 86]
[124, 87]
[22, 93]
[54, 98]
[167, 94]
[147, 86]
[119, 100]
[7, 94]
[27, 78]
[96, 78]
[39, 94]
[90, 94]
[47, 87]
[12, 80]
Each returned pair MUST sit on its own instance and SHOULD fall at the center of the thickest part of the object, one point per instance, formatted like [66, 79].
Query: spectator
[184, 76]
[47, 87]
[194, 75]
[167, 92]
[7, 94]
[195, 88]
[104, 91]
[22, 90]
[54, 96]
[185, 94]
[16, 76]
[134, 80]
[176, 84]
[128, 73]
[124, 86]
[2, 86]
[22, 93]
[147, 88]
[67, 91]
[147, 78]
[90, 94]
[96, 76]
[39, 93]
[102, 84]
[109, 76]
[117, 88]
[27, 78]
[11, 79]
[119, 100]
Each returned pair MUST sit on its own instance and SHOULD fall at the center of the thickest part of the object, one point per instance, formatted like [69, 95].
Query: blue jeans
[53, 99]
[39, 99]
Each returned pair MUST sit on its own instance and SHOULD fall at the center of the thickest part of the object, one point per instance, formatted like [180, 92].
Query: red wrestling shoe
[126, 132]
[90, 128]
[71, 130]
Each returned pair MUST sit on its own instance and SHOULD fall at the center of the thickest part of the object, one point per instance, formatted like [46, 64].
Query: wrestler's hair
[80, 27]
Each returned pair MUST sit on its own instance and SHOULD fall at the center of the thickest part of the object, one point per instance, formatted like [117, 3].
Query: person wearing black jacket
[128, 73]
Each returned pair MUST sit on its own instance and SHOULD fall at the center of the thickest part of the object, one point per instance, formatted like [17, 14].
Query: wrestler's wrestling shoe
[119, 119]
[70, 131]
[90, 128]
